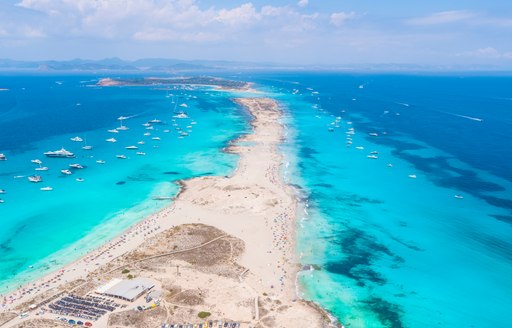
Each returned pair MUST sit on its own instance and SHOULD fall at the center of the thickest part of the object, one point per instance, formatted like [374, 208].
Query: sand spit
[224, 246]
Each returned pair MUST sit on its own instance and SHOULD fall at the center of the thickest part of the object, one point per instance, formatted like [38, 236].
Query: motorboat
[62, 153]
[141, 153]
[412, 176]
[86, 147]
[3, 157]
[121, 156]
[100, 161]
[47, 189]
[35, 178]
[42, 168]
[111, 140]
[66, 172]
[36, 161]
[77, 139]
[80, 179]
[156, 138]
[76, 166]
[132, 147]
[113, 131]
[372, 156]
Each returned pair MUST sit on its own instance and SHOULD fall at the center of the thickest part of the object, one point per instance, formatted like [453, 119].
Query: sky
[298, 32]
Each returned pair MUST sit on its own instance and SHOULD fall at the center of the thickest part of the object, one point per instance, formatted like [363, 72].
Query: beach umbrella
[79, 323]
[71, 322]
[88, 324]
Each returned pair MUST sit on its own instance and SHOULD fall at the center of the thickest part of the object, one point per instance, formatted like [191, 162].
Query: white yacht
[156, 138]
[373, 134]
[184, 105]
[121, 156]
[360, 147]
[181, 115]
[412, 176]
[458, 196]
[2, 201]
[132, 147]
[66, 172]
[47, 189]
[87, 147]
[2, 191]
[3, 157]
[80, 179]
[76, 166]
[147, 134]
[372, 156]
[35, 178]
[122, 128]
[62, 153]
[155, 121]
[146, 124]
[100, 161]
[77, 139]
[141, 142]
[141, 153]
[36, 161]
[42, 168]
[113, 131]
[111, 140]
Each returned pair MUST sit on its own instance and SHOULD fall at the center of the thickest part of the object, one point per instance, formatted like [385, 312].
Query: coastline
[258, 194]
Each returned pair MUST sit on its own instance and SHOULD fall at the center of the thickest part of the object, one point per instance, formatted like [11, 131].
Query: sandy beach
[237, 257]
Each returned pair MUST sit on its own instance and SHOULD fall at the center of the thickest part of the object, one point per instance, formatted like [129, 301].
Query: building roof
[103, 288]
[127, 289]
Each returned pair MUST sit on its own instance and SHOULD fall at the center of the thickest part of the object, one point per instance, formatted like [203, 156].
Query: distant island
[193, 80]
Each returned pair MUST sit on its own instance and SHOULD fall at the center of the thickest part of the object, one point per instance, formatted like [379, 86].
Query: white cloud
[487, 53]
[243, 15]
[303, 3]
[338, 19]
[443, 17]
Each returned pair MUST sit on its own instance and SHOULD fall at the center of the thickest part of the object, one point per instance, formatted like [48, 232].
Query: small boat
[146, 124]
[47, 189]
[2, 201]
[80, 179]
[156, 138]
[86, 147]
[155, 121]
[121, 156]
[42, 168]
[141, 142]
[36, 161]
[113, 131]
[131, 147]
[412, 176]
[122, 118]
[2, 191]
[360, 147]
[66, 172]
[140, 153]
[77, 139]
[390, 165]
[35, 178]
[76, 166]
[167, 131]
[181, 115]
[372, 156]
[458, 197]
[111, 140]
[184, 105]
[373, 134]
[100, 161]
[147, 134]
[122, 128]
[374, 152]
[150, 128]
[62, 153]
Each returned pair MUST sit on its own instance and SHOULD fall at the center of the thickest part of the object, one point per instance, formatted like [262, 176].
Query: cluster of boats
[72, 168]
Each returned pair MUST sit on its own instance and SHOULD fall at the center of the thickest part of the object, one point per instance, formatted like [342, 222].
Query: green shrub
[125, 271]
[204, 314]
[130, 276]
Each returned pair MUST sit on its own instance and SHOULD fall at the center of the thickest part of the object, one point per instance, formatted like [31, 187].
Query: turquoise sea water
[42, 230]
[389, 250]
[392, 250]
